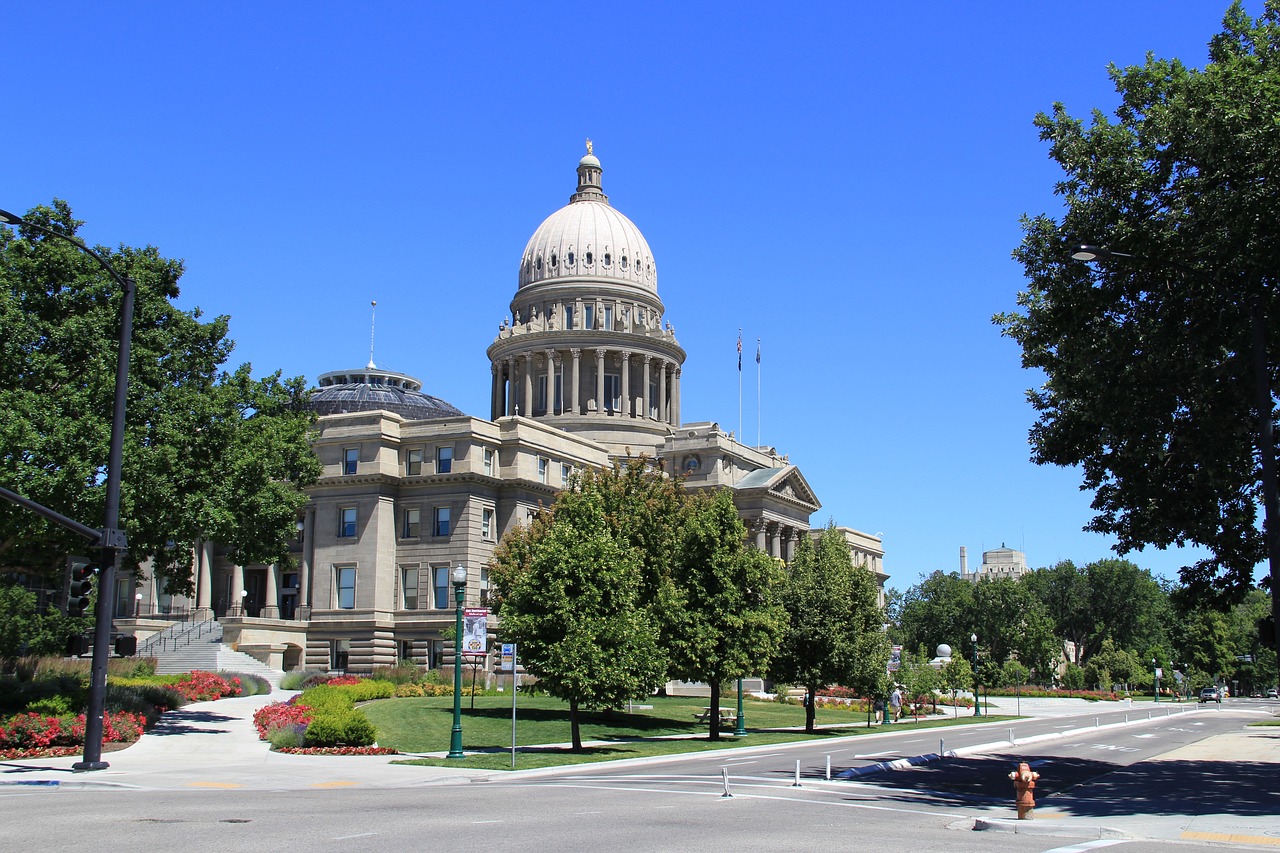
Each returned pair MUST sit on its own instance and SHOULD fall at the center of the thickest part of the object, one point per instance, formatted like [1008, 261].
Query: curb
[1065, 830]
[896, 764]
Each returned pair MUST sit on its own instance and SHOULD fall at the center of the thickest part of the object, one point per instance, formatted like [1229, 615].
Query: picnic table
[728, 716]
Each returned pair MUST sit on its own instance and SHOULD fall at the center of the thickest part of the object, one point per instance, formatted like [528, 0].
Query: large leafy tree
[831, 605]
[1159, 367]
[730, 618]
[937, 610]
[569, 592]
[208, 454]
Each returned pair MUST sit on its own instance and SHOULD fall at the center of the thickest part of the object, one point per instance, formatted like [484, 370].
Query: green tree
[569, 593]
[918, 678]
[207, 454]
[830, 604]
[1152, 362]
[730, 620]
[27, 629]
[956, 676]
[937, 610]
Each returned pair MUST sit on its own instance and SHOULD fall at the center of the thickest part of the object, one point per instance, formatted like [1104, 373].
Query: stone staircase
[185, 646]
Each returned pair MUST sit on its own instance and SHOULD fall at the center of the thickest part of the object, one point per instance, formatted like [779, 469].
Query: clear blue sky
[841, 180]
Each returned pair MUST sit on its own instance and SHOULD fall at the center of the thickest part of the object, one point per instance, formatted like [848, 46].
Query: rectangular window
[442, 521]
[608, 316]
[559, 383]
[540, 401]
[613, 392]
[543, 463]
[339, 653]
[566, 472]
[488, 462]
[568, 316]
[413, 462]
[347, 522]
[484, 587]
[346, 587]
[412, 523]
[409, 587]
[350, 460]
[444, 460]
[589, 315]
[441, 585]
[486, 524]
[406, 650]
[653, 399]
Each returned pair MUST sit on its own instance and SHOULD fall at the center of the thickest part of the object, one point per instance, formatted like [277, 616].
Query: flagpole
[759, 443]
[739, 384]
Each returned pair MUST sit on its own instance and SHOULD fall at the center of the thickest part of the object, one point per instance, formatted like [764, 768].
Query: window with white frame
[347, 522]
[350, 460]
[413, 462]
[412, 526]
[444, 460]
[440, 585]
[409, 587]
[566, 473]
[613, 392]
[589, 316]
[543, 464]
[486, 524]
[441, 525]
[488, 461]
[608, 314]
[345, 586]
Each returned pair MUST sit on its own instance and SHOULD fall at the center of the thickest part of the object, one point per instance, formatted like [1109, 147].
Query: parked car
[1273, 693]
[1211, 694]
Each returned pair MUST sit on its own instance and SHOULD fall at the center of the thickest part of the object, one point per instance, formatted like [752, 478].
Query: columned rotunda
[587, 349]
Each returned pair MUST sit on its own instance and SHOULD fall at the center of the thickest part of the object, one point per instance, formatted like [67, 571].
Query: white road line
[357, 835]
[1086, 845]
[876, 754]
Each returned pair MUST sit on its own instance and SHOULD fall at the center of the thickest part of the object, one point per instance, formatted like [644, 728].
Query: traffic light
[81, 571]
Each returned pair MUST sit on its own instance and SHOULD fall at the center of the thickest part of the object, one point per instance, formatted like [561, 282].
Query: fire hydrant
[1024, 782]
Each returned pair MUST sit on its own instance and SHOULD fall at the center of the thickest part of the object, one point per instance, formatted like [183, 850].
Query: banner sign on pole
[895, 658]
[475, 631]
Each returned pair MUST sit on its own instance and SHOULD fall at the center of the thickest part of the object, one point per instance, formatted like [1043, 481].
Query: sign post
[509, 664]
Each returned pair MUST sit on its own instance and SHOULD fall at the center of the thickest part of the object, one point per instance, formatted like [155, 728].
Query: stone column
[790, 534]
[495, 392]
[579, 321]
[204, 578]
[573, 390]
[527, 402]
[511, 385]
[600, 381]
[675, 396]
[626, 383]
[644, 390]
[271, 609]
[237, 587]
[775, 540]
[307, 562]
[551, 382]
[757, 527]
[557, 369]
[662, 390]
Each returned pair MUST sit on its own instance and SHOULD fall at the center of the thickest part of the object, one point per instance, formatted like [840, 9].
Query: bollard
[796, 784]
[725, 771]
[1126, 719]
[942, 747]
[1148, 715]
[1024, 784]
[1096, 724]
[1012, 742]
[828, 768]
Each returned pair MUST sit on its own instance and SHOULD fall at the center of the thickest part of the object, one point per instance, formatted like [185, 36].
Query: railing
[177, 636]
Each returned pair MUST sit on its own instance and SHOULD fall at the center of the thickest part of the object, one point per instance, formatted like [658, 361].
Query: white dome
[588, 239]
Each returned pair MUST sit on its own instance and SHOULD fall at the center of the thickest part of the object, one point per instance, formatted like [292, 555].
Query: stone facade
[584, 372]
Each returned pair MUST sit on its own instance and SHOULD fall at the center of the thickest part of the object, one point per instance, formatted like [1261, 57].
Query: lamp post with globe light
[977, 701]
[459, 577]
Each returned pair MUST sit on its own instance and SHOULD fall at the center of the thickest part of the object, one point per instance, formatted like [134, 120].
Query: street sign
[508, 657]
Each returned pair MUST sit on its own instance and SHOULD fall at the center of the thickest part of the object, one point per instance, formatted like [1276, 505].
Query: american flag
[739, 350]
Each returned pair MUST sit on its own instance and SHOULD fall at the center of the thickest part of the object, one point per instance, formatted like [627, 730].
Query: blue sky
[841, 180]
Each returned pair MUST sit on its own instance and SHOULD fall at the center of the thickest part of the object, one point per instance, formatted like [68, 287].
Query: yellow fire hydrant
[1024, 783]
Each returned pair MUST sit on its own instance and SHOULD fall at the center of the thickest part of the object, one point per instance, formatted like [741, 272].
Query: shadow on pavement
[180, 722]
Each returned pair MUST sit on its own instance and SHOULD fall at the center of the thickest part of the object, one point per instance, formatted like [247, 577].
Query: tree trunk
[715, 710]
[810, 706]
[574, 727]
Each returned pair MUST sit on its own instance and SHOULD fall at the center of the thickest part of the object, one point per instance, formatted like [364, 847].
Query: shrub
[278, 715]
[348, 728]
[250, 685]
[52, 706]
[404, 690]
[297, 680]
[404, 672]
[287, 735]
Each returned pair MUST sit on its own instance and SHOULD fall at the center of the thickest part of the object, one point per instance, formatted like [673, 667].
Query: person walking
[895, 703]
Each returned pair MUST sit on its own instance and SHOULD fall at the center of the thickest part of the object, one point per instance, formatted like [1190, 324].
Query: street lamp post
[1155, 674]
[740, 730]
[137, 605]
[977, 700]
[1265, 438]
[112, 540]
[459, 578]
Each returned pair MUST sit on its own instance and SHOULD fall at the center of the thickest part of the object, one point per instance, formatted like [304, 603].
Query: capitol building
[586, 371]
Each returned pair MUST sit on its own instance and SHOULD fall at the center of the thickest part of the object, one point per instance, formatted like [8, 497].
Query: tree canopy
[208, 454]
[1148, 357]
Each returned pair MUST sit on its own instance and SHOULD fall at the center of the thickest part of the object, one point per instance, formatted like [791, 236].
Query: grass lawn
[542, 727]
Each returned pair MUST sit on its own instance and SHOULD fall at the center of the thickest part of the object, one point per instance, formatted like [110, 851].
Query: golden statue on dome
[588, 146]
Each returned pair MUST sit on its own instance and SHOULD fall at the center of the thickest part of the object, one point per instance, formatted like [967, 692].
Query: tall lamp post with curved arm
[977, 700]
[110, 539]
[1265, 436]
[459, 578]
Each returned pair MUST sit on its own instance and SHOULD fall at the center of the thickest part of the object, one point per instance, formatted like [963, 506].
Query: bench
[728, 716]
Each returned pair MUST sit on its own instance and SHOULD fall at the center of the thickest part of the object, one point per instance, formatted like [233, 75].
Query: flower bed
[338, 750]
[31, 734]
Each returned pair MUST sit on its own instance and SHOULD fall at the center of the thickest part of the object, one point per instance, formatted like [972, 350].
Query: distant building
[1001, 562]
